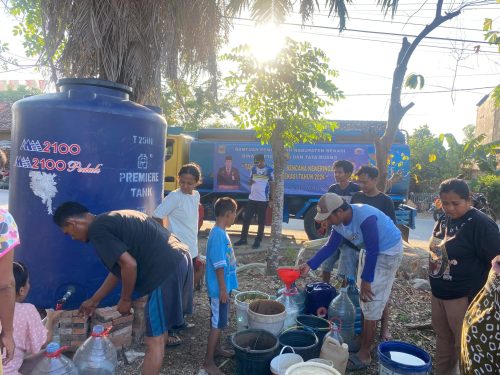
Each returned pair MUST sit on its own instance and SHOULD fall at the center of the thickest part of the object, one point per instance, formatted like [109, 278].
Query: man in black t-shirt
[146, 258]
[348, 255]
[367, 178]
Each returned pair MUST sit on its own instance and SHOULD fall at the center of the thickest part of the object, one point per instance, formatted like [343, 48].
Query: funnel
[288, 275]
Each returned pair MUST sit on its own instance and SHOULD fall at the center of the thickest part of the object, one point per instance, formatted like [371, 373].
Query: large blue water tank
[88, 143]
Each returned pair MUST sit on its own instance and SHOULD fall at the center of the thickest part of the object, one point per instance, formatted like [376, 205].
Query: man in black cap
[261, 189]
[228, 177]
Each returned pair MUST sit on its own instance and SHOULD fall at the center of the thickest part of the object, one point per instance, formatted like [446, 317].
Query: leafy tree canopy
[294, 89]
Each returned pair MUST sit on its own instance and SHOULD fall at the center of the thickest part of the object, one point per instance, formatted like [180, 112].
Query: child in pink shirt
[30, 334]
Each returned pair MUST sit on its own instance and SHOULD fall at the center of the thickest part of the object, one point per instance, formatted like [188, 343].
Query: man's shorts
[171, 300]
[385, 273]
[219, 313]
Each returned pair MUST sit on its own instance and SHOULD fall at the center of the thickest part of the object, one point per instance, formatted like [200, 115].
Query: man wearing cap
[228, 177]
[261, 189]
[382, 250]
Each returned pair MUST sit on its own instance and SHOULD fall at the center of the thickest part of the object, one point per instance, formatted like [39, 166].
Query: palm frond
[135, 42]
[339, 8]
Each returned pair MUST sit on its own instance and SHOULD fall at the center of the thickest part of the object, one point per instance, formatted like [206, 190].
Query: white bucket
[242, 306]
[311, 368]
[267, 315]
[323, 361]
[283, 361]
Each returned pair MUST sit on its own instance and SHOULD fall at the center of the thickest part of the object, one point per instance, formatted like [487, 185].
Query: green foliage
[193, 106]
[428, 159]
[17, 94]
[4, 60]
[415, 80]
[30, 25]
[493, 37]
[490, 186]
[295, 89]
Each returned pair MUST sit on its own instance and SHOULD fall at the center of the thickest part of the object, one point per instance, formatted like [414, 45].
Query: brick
[65, 331]
[124, 331]
[80, 331]
[123, 319]
[121, 341]
[106, 314]
[80, 320]
[104, 324]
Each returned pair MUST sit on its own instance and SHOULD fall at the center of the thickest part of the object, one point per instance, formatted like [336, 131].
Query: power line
[344, 36]
[424, 92]
[373, 32]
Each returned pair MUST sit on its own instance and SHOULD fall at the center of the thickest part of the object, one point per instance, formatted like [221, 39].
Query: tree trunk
[396, 110]
[280, 162]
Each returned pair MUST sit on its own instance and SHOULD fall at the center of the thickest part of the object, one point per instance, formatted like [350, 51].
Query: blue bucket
[397, 356]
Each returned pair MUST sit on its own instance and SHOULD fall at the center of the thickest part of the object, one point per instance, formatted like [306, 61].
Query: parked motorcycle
[479, 201]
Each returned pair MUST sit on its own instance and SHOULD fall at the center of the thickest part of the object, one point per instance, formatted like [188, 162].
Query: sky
[456, 76]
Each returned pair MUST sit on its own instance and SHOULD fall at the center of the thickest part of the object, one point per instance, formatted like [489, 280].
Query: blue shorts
[219, 313]
[171, 300]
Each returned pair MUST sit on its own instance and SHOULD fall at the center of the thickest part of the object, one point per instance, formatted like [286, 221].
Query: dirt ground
[409, 306]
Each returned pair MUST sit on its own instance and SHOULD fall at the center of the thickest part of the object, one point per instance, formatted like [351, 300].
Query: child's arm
[219, 272]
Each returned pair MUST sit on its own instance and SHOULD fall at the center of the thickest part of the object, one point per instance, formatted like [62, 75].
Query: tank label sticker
[44, 186]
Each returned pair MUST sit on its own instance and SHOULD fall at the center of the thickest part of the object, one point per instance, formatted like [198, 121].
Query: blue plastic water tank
[88, 143]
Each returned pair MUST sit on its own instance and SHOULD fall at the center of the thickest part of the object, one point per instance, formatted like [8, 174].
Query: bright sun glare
[266, 41]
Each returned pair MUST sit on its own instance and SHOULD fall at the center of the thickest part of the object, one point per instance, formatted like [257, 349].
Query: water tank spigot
[69, 292]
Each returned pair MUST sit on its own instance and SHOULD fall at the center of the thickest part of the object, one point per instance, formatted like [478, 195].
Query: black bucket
[319, 326]
[254, 349]
[303, 341]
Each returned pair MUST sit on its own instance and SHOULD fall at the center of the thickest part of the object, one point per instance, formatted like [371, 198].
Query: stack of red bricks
[73, 329]
[121, 332]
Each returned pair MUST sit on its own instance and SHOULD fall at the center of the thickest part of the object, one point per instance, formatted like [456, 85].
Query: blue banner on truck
[310, 166]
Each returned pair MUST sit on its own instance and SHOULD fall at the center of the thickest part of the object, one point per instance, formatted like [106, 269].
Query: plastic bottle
[288, 299]
[342, 309]
[97, 355]
[334, 333]
[353, 293]
[54, 362]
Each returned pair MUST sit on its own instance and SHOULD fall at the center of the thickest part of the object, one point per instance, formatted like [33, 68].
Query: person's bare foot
[212, 369]
[219, 352]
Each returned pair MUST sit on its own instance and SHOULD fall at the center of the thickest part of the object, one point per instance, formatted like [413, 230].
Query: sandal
[355, 363]
[173, 340]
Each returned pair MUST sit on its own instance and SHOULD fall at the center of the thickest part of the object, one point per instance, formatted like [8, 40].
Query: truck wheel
[312, 228]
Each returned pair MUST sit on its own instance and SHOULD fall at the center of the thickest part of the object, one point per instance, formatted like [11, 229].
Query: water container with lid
[353, 293]
[299, 296]
[342, 309]
[97, 355]
[288, 299]
[55, 363]
[319, 296]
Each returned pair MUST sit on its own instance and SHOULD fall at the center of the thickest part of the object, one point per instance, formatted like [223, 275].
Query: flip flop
[355, 363]
[173, 340]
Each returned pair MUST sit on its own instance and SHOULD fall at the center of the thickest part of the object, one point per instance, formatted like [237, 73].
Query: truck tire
[312, 228]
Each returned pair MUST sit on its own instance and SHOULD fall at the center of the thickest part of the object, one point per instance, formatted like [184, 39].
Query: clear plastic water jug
[353, 293]
[54, 363]
[97, 355]
[342, 310]
[289, 299]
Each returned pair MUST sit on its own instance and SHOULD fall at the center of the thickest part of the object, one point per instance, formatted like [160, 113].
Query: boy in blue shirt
[221, 279]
